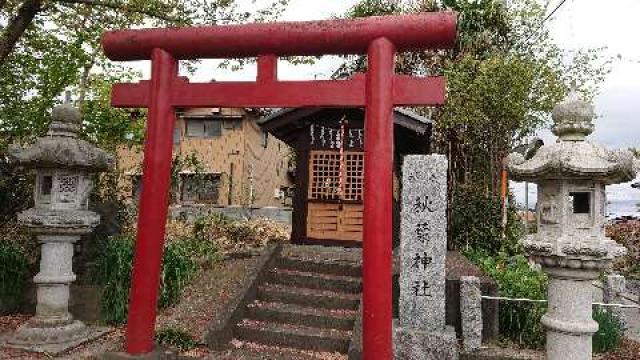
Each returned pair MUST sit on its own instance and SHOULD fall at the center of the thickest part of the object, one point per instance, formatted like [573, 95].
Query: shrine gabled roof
[282, 121]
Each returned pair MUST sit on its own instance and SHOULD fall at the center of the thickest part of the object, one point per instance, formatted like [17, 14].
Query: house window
[200, 188]
[203, 128]
[237, 124]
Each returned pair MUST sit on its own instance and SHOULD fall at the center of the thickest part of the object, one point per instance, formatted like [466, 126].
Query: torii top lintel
[435, 30]
[267, 42]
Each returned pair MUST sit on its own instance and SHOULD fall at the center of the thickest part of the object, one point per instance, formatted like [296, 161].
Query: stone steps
[294, 336]
[304, 303]
[295, 314]
[320, 266]
[313, 280]
[308, 297]
[253, 351]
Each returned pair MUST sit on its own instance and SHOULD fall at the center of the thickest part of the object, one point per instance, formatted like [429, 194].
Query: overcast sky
[577, 24]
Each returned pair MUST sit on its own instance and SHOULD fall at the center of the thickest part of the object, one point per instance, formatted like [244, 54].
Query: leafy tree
[504, 77]
[49, 46]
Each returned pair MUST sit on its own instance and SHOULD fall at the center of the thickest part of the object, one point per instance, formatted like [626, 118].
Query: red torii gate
[379, 91]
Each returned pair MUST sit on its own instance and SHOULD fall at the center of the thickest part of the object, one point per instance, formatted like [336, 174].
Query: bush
[113, 271]
[13, 275]
[610, 331]
[234, 235]
[627, 233]
[519, 321]
[176, 338]
[477, 223]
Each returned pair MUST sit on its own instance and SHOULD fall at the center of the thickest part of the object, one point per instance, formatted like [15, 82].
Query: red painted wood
[264, 93]
[406, 32]
[378, 200]
[380, 37]
[153, 205]
[267, 69]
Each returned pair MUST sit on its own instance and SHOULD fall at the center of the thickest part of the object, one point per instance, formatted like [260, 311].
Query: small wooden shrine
[328, 144]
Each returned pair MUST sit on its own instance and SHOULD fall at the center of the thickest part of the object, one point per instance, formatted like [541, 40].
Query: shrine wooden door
[336, 181]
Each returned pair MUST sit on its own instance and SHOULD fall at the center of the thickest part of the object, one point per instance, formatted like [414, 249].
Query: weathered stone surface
[471, 312]
[56, 340]
[572, 156]
[614, 287]
[570, 244]
[63, 148]
[60, 216]
[423, 244]
[412, 344]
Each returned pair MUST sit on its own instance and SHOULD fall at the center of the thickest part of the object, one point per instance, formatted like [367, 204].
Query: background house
[236, 162]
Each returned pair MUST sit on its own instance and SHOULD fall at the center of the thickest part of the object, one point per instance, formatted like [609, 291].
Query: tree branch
[17, 26]
[117, 6]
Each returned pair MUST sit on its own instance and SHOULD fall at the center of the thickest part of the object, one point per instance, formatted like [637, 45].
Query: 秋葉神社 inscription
[423, 242]
[421, 332]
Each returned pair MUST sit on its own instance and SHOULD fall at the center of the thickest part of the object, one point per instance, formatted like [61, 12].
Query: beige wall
[238, 155]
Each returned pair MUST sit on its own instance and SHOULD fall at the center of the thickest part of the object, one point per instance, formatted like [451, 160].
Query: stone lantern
[63, 164]
[570, 244]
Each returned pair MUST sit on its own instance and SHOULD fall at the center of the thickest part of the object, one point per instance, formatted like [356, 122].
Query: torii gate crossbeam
[379, 91]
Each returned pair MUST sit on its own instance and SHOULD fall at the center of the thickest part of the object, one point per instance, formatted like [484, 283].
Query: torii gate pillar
[379, 91]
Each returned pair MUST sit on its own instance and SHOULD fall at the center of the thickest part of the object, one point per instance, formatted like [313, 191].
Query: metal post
[153, 205]
[378, 165]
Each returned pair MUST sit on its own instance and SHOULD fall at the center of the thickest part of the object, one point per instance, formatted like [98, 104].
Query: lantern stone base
[53, 340]
[569, 321]
[414, 344]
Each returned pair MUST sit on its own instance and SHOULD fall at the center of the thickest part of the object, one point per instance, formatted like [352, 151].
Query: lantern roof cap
[573, 118]
[572, 157]
[61, 147]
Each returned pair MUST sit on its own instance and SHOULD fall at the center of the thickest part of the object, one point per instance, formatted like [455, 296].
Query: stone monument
[63, 164]
[570, 244]
[471, 313]
[420, 332]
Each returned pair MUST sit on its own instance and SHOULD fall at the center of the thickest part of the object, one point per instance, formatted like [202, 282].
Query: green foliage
[13, 274]
[504, 75]
[16, 189]
[519, 322]
[477, 223]
[60, 50]
[177, 269]
[610, 331]
[113, 271]
[176, 338]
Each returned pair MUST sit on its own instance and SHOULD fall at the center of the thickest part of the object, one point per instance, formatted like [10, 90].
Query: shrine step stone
[342, 319]
[316, 280]
[320, 266]
[310, 297]
[308, 300]
[294, 336]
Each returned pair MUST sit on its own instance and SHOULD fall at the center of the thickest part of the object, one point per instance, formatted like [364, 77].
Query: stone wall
[193, 212]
